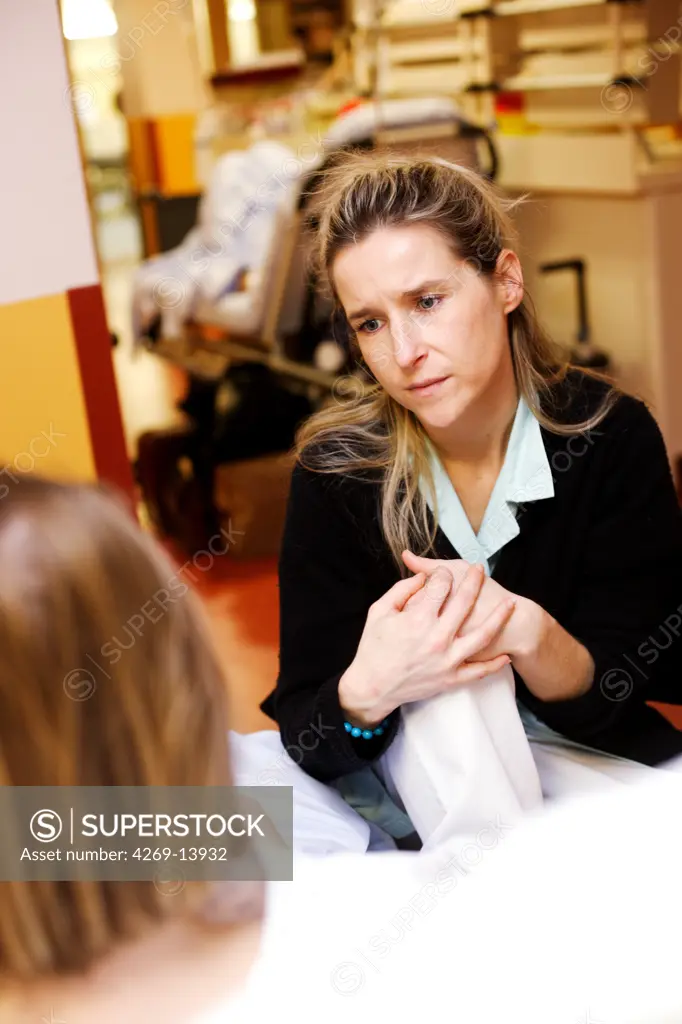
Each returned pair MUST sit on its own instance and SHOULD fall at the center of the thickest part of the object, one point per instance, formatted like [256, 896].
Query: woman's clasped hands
[437, 630]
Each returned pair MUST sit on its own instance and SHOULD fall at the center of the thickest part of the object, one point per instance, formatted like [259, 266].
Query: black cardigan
[603, 556]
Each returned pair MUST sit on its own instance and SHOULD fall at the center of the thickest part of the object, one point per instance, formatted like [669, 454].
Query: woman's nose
[408, 344]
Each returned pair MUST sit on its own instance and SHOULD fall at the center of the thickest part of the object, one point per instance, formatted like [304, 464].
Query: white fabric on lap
[462, 759]
[456, 781]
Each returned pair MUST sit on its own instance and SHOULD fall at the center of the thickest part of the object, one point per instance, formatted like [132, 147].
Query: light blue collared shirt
[526, 475]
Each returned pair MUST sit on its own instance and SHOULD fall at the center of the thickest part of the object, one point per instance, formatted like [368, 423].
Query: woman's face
[431, 329]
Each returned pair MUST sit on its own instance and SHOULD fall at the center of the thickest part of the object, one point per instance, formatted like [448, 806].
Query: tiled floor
[240, 596]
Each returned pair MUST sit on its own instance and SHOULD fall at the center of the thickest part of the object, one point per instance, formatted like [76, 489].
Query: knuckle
[439, 643]
[438, 585]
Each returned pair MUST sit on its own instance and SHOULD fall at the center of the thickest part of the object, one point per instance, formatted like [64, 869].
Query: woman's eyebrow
[418, 289]
[427, 286]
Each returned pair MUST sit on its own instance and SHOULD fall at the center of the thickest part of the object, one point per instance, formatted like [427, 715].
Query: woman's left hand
[552, 663]
[519, 630]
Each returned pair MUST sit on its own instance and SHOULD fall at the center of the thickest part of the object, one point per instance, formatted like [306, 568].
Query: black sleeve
[627, 609]
[327, 581]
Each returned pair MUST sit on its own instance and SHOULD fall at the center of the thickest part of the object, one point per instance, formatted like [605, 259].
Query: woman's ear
[510, 276]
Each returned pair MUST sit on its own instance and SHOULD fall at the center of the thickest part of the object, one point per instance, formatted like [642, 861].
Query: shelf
[452, 13]
[269, 68]
[589, 163]
[559, 53]
[577, 37]
[509, 8]
[521, 83]
[435, 50]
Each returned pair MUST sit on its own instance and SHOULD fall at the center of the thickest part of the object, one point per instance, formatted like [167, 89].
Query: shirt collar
[526, 472]
[526, 475]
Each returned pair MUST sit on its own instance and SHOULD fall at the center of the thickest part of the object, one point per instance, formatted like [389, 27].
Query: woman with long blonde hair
[467, 447]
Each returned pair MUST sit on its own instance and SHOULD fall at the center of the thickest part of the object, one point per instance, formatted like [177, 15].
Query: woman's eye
[432, 301]
[369, 326]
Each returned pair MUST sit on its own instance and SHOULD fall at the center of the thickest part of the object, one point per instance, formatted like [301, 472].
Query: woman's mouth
[427, 387]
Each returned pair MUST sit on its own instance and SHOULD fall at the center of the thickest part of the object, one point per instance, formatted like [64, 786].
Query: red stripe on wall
[93, 345]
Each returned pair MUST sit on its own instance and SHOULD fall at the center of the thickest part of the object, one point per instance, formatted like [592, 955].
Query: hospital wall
[624, 218]
[60, 409]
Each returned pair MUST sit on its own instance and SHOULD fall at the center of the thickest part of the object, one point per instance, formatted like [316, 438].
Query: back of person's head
[107, 678]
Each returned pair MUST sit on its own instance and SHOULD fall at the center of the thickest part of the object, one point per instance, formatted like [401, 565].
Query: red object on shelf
[510, 103]
[346, 108]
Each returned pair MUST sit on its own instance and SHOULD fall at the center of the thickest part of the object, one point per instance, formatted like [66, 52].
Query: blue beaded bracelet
[367, 734]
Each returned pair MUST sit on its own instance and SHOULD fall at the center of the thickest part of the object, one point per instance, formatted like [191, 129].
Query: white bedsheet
[459, 766]
[571, 918]
[323, 821]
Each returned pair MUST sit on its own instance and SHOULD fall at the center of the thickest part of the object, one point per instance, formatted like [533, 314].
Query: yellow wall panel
[175, 155]
[43, 422]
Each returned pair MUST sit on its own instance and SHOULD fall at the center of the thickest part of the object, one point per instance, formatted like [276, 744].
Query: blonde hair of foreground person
[75, 567]
[370, 430]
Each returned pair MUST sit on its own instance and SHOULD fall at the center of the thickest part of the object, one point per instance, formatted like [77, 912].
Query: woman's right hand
[410, 648]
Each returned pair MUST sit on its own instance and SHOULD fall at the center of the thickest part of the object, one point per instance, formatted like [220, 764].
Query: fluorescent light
[241, 10]
[88, 19]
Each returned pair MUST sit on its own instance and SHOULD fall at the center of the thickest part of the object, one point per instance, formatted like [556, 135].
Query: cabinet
[577, 62]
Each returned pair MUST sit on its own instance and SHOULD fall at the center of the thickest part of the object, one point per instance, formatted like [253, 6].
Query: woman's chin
[439, 424]
[441, 416]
